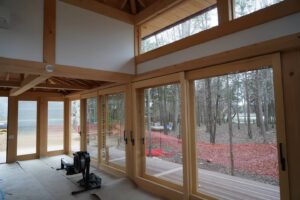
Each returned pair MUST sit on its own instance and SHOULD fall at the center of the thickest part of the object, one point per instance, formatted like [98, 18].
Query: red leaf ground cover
[260, 159]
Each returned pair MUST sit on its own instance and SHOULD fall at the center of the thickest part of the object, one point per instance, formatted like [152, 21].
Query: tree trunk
[209, 111]
[149, 123]
[217, 109]
[248, 107]
[230, 127]
[259, 105]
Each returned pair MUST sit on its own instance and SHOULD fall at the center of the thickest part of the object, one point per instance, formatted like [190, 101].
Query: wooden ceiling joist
[38, 68]
[28, 83]
[155, 9]
[133, 6]
[102, 9]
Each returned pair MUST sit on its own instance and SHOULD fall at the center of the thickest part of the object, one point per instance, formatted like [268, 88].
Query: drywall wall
[91, 40]
[23, 38]
[271, 30]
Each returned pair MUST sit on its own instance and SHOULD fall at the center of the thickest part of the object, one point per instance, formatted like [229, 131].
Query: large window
[245, 7]
[27, 127]
[3, 128]
[203, 20]
[236, 136]
[75, 125]
[55, 137]
[92, 127]
[113, 112]
[162, 133]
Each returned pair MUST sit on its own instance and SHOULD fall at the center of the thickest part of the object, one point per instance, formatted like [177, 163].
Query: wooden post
[67, 123]
[12, 129]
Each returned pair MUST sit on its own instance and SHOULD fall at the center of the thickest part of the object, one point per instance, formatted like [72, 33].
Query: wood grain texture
[49, 31]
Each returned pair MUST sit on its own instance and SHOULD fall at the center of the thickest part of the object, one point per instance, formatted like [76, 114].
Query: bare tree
[229, 104]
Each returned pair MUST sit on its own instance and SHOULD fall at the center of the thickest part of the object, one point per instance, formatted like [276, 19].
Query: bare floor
[38, 179]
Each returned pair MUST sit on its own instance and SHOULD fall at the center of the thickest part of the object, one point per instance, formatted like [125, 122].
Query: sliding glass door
[113, 130]
[92, 127]
[75, 125]
[27, 128]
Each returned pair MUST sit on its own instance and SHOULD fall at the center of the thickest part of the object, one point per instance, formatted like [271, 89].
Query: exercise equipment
[82, 165]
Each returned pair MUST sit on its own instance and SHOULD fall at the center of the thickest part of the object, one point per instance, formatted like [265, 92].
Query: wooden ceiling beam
[155, 9]
[133, 6]
[28, 83]
[16, 84]
[38, 68]
[141, 2]
[123, 4]
[102, 9]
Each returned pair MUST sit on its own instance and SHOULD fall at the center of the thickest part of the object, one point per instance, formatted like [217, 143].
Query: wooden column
[67, 124]
[49, 31]
[83, 124]
[12, 129]
[291, 85]
[42, 127]
[224, 11]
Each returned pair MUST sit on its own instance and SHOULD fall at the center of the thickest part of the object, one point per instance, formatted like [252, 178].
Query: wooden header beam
[38, 68]
[102, 9]
[28, 83]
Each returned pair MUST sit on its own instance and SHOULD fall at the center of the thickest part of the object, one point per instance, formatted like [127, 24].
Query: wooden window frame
[227, 25]
[103, 93]
[170, 190]
[274, 62]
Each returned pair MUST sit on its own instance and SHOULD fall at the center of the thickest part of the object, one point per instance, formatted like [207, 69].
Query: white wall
[271, 30]
[91, 40]
[24, 37]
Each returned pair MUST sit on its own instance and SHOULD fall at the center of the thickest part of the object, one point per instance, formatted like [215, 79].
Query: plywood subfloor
[38, 179]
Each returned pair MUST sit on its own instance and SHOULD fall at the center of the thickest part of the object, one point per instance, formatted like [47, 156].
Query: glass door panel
[75, 125]
[27, 127]
[114, 127]
[3, 128]
[163, 141]
[55, 138]
[236, 137]
[92, 127]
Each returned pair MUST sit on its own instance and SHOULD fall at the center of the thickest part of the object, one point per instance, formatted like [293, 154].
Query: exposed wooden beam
[16, 84]
[141, 2]
[38, 68]
[49, 31]
[28, 83]
[155, 9]
[102, 9]
[133, 6]
[124, 4]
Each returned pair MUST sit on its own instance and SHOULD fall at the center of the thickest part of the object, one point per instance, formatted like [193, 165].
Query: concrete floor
[38, 179]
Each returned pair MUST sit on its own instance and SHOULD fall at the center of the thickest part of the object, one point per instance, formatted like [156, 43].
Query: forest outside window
[92, 127]
[162, 132]
[205, 18]
[245, 7]
[236, 136]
